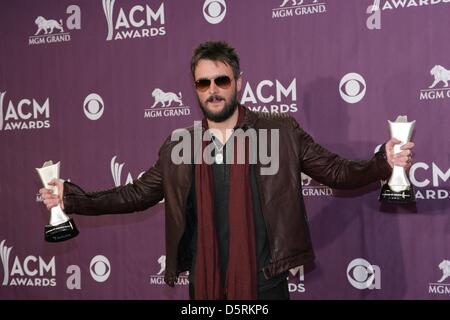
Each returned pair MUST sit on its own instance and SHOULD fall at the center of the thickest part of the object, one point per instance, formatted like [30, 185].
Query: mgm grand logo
[291, 8]
[158, 278]
[312, 188]
[50, 30]
[166, 104]
[439, 89]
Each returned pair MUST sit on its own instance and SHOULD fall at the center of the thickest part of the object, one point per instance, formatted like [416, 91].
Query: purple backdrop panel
[81, 83]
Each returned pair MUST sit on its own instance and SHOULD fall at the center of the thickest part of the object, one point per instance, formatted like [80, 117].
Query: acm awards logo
[158, 278]
[439, 88]
[54, 30]
[116, 171]
[166, 104]
[291, 8]
[377, 6]
[440, 287]
[271, 96]
[30, 271]
[25, 114]
[403, 4]
[429, 181]
[35, 271]
[296, 279]
[138, 21]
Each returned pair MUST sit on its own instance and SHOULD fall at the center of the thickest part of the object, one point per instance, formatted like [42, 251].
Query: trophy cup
[398, 190]
[60, 227]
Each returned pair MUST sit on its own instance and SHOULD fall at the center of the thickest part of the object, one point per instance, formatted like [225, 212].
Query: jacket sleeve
[330, 169]
[137, 196]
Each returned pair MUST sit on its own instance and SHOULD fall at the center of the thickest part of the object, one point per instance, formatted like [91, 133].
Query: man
[236, 230]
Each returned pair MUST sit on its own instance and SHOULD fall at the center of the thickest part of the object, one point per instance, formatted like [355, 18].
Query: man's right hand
[49, 198]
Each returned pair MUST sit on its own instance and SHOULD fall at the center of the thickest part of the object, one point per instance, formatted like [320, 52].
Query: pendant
[219, 158]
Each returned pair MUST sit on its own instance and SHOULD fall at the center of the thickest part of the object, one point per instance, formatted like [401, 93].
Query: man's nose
[212, 88]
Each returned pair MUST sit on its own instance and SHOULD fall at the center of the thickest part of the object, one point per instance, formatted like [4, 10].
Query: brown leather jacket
[281, 197]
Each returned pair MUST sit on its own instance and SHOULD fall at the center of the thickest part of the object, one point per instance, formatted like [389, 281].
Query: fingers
[403, 162]
[46, 193]
[402, 158]
[390, 144]
[51, 201]
[407, 146]
[55, 182]
[58, 186]
[44, 190]
[404, 153]
[393, 141]
[49, 198]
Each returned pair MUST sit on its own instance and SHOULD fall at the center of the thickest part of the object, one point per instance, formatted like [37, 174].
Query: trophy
[398, 189]
[60, 227]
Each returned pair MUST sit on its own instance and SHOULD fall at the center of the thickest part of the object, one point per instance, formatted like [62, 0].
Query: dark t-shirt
[221, 177]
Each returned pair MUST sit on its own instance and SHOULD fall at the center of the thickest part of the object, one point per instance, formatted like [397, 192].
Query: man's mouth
[215, 99]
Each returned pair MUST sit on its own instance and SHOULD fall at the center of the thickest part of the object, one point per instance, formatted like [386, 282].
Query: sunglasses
[222, 82]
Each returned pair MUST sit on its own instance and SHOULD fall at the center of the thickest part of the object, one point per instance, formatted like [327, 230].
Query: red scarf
[241, 281]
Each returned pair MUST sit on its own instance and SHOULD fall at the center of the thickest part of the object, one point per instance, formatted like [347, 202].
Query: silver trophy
[399, 189]
[60, 227]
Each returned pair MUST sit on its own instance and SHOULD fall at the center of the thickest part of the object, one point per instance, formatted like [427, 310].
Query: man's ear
[239, 83]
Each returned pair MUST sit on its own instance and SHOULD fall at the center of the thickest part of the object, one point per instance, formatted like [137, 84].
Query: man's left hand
[402, 158]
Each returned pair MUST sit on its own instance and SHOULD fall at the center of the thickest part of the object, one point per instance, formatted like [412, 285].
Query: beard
[222, 115]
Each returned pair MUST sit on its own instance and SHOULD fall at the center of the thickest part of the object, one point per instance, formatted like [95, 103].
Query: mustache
[215, 97]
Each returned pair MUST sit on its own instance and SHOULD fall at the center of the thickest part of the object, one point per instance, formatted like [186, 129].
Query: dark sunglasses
[222, 82]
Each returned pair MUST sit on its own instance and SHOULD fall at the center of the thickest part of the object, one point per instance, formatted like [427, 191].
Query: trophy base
[402, 197]
[61, 232]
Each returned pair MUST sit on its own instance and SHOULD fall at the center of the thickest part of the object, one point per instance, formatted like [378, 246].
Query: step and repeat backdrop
[86, 83]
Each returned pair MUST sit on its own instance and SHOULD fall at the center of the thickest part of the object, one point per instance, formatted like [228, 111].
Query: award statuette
[60, 227]
[398, 189]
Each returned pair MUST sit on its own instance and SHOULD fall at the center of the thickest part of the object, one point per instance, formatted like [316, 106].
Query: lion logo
[306, 180]
[165, 97]
[162, 263]
[445, 267]
[440, 74]
[294, 2]
[46, 25]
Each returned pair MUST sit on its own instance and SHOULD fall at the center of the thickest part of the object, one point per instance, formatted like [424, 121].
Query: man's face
[218, 101]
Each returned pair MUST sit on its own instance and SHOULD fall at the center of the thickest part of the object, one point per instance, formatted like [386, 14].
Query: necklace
[218, 153]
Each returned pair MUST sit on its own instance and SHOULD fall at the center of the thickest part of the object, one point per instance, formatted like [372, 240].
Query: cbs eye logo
[93, 106]
[100, 268]
[214, 10]
[352, 87]
[363, 275]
